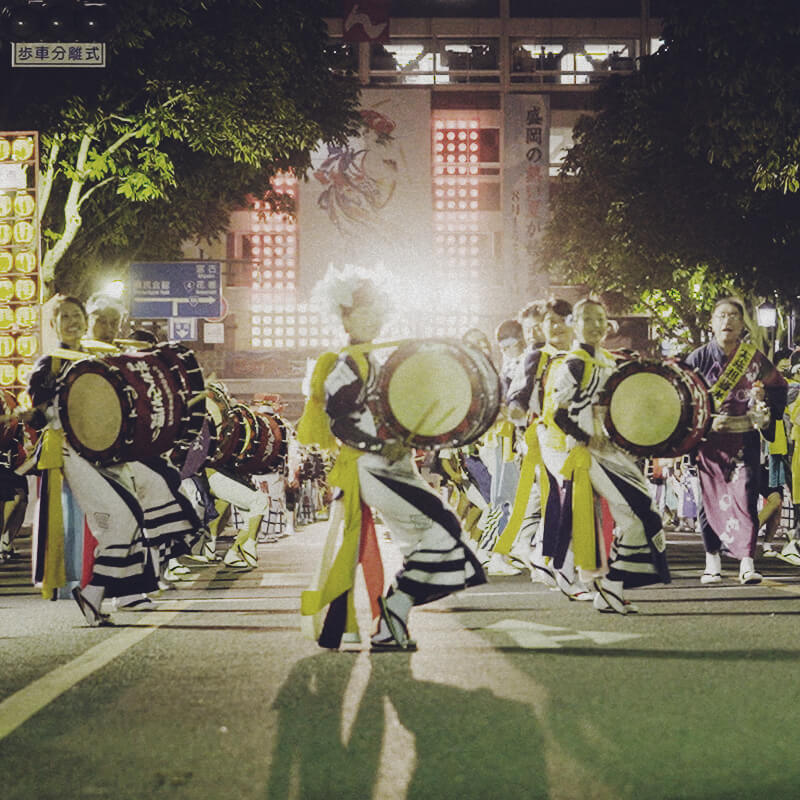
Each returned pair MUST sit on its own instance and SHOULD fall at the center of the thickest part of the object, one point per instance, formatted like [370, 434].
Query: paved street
[514, 693]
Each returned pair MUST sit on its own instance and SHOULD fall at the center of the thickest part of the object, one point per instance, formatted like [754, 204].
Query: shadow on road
[467, 743]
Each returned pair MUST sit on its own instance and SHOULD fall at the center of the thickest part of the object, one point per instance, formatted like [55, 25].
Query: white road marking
[535, 636]
[22, 705]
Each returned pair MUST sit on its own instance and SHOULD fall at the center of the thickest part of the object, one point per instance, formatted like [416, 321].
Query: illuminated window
[435, 61]
[269, 243]
[570, 60]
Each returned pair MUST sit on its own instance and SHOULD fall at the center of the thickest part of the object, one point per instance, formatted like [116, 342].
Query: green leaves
[689, 175]
[238, 88]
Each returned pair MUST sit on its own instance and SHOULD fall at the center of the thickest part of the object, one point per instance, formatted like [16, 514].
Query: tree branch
[46, 181]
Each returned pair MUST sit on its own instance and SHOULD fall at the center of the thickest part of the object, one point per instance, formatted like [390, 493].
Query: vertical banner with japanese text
[368, 202]
[525, 188]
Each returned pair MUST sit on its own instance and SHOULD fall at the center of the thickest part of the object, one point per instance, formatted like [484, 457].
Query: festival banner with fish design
[369, 201]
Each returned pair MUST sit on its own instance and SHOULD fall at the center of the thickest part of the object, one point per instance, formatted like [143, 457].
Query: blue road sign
[176, 289]
[183, 329]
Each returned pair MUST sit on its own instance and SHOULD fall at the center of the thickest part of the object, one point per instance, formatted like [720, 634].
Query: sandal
[398, 639]
[90, 613]
[630, 608]
[605, 599]
[750, 577]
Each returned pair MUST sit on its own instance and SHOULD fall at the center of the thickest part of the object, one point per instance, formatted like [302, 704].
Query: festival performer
[233, 489]
[134, 510]
[496, 449]
[378, 473]
[541, 484]
[105, 317]
[14, 446]
[791, 550]
[749, 396]
[531, 317]
[154, 481]
[119, 566]
[239, 492]
[595, 466]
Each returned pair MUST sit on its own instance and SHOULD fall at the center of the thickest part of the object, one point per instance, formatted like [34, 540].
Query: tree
[740, 66]
[201, 103]
[643, 207]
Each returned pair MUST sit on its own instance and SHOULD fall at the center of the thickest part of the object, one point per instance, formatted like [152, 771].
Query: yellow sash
[51, 458]
[779, 446]
[532, 460]
[314, 426]
[794, 417]
[733, 373]
[340, 578]
[576, 469]
[584, 535]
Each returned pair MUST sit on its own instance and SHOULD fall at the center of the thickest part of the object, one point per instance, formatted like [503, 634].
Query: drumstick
[98, 346]
[363, 348]
[204, 394]
[23, 469]
[134, 343]
[196, 399]
[415, 430]
[69, 355]
[444, 416]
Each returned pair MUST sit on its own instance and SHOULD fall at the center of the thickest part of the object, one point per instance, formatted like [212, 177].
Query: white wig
[100, 302]
[336, 291]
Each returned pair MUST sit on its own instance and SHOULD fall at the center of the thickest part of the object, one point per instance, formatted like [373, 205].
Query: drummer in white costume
[118, 568]
[155, 478]
[436, 562]
[596, 466]
[545, 456]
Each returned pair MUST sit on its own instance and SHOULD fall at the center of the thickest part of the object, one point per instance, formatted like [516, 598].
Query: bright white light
[115, 289]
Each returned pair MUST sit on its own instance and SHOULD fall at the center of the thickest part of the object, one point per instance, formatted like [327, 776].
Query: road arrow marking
[536, 636]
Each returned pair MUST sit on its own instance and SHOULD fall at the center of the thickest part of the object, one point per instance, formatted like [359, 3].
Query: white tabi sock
[713, 563]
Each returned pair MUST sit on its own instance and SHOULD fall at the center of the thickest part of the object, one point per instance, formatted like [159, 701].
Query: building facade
[467, 108]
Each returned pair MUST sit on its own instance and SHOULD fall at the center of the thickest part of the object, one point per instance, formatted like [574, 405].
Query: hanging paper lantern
[6, 290]
[6, 205]
[6, 261]
[24, 232]
[24, 204]
[8, 374]
[6, 346]
[26, 317]
[27, 346]
[25, 289]
[24, 261]
[23, 373]
[5, 149]
[22, 148]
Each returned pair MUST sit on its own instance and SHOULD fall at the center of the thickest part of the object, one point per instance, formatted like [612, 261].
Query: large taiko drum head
[132, 406]
[266, 447]
[437, 393]
[657, 409]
